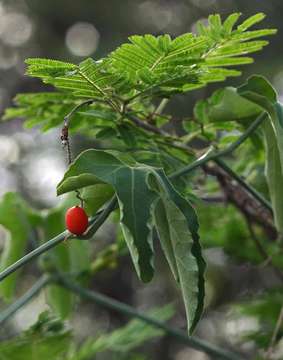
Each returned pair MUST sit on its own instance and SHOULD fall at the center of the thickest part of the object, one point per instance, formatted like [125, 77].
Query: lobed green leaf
[138, 188]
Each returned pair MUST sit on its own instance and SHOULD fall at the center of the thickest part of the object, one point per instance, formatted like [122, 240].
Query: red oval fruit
[76, 220]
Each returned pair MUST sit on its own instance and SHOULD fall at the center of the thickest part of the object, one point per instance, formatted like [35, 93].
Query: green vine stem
[33, 254]
[100, 219]
[75, 109]
[109, 303]
[212, 155]
[216, 157]
[33, 291]
[96, 222]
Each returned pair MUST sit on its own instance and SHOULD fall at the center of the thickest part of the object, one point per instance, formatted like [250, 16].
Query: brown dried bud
[65, 133]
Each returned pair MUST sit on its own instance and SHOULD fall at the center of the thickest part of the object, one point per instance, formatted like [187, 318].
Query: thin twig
[274, 335]
[263, 253]
[161, 106]
[66, 140]
[212, 155]
[214, 199]
[167, 138]
[250, 207]
[242, 182]
[33, 254]
[107, 302]
[146, 126]
[107, 99]
[99, 220]
[32, 292]
[174, 144]
[75, 109]
[258, 245]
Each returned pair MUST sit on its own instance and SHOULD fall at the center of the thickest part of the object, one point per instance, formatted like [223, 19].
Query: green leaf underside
[258, 90]
[138, 188]
[177, 226]
[274, 174]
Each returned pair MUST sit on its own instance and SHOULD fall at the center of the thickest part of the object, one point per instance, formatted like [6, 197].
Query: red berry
[76, 220]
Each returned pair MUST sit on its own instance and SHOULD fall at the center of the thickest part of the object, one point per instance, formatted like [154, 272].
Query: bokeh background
[32, 163]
